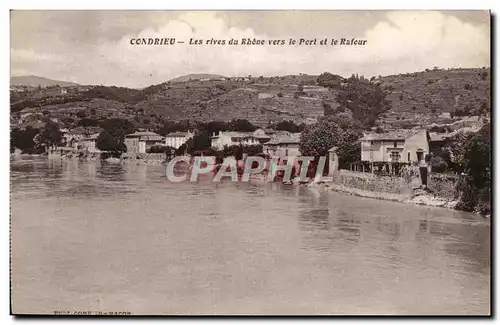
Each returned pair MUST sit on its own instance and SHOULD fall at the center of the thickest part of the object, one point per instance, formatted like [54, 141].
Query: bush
[468, 198]
[438, 164]
[160, 149]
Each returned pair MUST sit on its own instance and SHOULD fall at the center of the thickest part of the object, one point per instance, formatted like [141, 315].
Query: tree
[477, 157]
[329, 80]
[457, 151]
[341, 132]
[200, 141]
[289, 126]
[472, 153]
[161, 149]
[365, 99]
[117, 127]
[213, 127]
[88, 122]
[23, 139]
[50, 135]
[107, 142]
[173, 126]
[81, 114]
[241, 125]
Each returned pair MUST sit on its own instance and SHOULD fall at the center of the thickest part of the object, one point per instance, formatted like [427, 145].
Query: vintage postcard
[250, 162]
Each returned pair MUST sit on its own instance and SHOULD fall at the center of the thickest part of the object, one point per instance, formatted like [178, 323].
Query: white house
[406, 146]
[177, 139]
[222, 139]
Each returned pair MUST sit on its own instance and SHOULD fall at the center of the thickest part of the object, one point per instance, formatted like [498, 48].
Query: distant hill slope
[36, 81]
[419, 98]
[194, 76]
[416, 99]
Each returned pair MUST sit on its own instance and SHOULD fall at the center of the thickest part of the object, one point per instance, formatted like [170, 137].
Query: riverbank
[418, 197]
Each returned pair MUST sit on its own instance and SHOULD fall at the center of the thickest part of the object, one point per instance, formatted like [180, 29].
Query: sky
[93, 47]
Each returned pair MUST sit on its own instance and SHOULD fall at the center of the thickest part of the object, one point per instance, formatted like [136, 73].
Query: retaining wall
[441, 185]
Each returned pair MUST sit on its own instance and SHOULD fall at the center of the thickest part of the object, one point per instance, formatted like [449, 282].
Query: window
[395, 156]
[371, 142]
[408, 157]
[395, 144]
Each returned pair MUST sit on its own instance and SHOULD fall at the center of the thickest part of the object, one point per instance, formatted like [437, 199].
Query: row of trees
[239, 125]
[34, 141]
[110, 139]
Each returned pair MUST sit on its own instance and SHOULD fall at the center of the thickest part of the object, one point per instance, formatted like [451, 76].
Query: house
[177, 139]
[65, 136]
[406, 146]
[88, 143]
[142, 141]
[283, 146]
[222, 139]
[261, 136]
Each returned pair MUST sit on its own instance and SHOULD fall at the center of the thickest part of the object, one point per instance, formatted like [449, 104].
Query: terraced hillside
[420, 98]
[415, 99]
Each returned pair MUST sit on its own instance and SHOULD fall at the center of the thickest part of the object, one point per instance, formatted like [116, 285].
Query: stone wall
[370, 182]
[441, 185]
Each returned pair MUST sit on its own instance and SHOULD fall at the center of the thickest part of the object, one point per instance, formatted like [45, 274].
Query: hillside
[407, 100]
[35, 81]
[420, 98]
[195, 76]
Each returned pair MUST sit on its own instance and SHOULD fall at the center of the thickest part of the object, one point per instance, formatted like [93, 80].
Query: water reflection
[158, 247]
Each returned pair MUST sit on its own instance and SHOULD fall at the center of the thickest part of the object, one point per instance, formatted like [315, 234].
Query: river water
[88, 236]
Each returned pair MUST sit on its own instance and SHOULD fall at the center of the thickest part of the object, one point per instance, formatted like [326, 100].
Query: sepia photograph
[250, 162]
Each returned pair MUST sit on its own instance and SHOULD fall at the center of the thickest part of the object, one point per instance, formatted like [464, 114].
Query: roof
[141, 133]
[92, 137]
[401, 134]
[178, 134]
[234, 134]
[285, 139]
[244, 135]
[145, 136]
[333, 149]
[436, 136]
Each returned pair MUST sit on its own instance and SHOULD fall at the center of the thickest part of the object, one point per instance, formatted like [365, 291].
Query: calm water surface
[105, 237]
